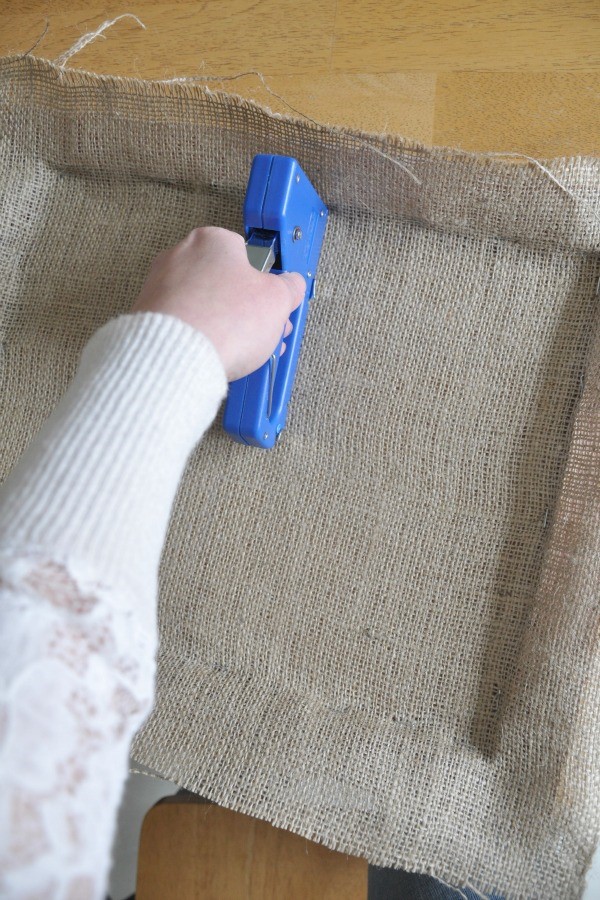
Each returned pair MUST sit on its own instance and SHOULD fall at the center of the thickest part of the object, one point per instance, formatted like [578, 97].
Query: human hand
[207, 281]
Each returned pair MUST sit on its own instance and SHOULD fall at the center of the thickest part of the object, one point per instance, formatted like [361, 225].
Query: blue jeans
[395, 884]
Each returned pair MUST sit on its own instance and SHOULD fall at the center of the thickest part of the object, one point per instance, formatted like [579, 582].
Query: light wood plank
[181, 37]
[538, 113]
[450, 35]
[400, 103]
[204, 852]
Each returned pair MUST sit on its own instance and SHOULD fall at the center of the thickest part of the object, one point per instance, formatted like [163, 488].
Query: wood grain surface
[195, 851]
[502, 75]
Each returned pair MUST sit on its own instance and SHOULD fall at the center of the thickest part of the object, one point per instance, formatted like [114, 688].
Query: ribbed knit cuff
[98, 481]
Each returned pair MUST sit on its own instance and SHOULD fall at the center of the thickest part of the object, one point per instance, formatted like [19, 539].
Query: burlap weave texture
[383, 634]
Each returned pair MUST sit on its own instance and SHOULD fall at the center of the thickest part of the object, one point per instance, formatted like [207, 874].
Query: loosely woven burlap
[383, 634]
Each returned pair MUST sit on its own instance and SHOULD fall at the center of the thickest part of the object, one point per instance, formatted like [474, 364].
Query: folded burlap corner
[382, 635]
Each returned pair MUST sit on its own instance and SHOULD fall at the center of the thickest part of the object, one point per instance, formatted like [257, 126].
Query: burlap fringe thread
[91, 36]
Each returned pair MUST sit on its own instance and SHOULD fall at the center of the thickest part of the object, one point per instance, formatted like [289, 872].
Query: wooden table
[198, 851]
[505, 75]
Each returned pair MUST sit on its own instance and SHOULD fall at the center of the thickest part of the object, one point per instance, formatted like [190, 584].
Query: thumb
[296, 286]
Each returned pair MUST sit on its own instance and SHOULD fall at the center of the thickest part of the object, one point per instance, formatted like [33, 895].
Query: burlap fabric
[383, 634]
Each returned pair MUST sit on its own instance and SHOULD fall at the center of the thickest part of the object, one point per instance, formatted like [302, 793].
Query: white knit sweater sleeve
[83, 518]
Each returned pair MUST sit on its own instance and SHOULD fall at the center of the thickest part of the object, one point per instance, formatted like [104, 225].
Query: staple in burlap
[382, 635]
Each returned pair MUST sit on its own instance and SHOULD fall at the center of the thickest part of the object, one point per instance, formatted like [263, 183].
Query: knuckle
[163, 258]
[223, 234]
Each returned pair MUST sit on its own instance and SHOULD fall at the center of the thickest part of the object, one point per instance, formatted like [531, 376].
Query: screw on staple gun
[284, 223]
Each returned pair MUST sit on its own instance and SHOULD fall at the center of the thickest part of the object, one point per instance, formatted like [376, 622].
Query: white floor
[143, 791]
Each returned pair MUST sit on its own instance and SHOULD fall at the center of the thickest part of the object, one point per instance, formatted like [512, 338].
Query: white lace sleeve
[77, 682]
[83, 517]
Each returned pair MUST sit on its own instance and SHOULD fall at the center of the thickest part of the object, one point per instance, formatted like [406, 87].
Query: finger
[283, 348]
[296, 286]
[288, 328]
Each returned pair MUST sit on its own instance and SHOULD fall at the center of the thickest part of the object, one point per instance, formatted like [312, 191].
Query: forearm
[97, 483]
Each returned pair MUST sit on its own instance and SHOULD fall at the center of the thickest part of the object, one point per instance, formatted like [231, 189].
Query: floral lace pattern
[76, 682]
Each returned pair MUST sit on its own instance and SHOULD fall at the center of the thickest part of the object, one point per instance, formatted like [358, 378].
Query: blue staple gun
[284, 223]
